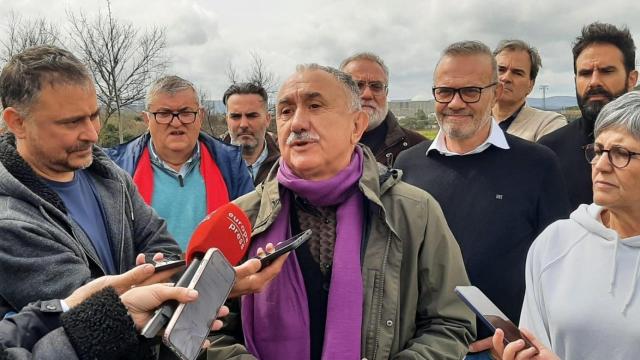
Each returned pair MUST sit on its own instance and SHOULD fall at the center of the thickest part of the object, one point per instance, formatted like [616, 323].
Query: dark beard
[590, 110]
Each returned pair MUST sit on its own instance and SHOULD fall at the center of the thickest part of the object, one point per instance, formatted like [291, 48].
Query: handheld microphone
[228, 229]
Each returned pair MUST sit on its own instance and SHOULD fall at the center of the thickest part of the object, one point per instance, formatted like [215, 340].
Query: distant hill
[553, 102]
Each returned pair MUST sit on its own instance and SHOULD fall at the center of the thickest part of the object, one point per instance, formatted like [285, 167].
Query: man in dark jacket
[384, 135]
[183, 173]
[67, 213]
[247, 121]
[604, 68]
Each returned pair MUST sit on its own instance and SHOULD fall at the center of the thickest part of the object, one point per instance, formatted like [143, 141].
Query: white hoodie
[583, 296]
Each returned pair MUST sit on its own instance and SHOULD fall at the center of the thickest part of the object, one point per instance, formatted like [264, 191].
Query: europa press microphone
[228, 229]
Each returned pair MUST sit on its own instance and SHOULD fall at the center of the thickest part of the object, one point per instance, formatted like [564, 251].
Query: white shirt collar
[496, 137]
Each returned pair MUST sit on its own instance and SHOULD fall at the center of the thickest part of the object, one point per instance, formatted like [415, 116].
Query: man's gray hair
[519, 45]
[170, 84]
[469, 48]
[27, 72]
[621, 113]
[342, 77]
[366, 56]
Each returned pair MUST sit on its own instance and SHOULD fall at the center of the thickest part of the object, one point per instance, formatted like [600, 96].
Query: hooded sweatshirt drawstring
[632, 291]
[614, 268]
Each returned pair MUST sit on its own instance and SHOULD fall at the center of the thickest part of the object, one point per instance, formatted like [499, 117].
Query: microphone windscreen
[227, 228]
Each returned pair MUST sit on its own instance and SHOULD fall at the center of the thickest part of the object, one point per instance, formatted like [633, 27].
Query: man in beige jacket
[518, 66]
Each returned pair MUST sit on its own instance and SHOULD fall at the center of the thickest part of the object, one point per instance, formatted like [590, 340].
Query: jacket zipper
[381, 295]
[87, 253]
[124, 221]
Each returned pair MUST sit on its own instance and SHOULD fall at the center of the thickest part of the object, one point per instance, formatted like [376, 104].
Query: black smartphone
[168, 264]
[490, 315]
[284, 247]
[191, 322]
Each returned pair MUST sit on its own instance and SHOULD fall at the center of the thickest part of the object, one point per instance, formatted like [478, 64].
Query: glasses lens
[443, 94]
[362, 85]
[470, 94]
[163, 117]
[619, 156]
[589, 153]
[187, 117]
[376, 87]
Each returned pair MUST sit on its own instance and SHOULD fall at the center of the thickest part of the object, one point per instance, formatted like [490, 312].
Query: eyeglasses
[618, 156]
[165, 117]
[377, 87]
[468, 94]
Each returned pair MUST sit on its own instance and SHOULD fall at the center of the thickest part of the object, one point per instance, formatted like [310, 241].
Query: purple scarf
[276, 321]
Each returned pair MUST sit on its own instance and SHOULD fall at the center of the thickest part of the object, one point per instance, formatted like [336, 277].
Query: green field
[429, 134]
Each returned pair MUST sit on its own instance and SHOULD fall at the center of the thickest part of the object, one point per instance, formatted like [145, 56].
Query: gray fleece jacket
[43, 253]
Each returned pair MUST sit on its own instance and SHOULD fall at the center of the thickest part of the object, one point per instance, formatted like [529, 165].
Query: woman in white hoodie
[583, 293]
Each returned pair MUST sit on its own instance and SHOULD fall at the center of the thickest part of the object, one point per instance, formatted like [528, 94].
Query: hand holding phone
[284, 247]
[191, 322]
[490, 315]
[167, 264]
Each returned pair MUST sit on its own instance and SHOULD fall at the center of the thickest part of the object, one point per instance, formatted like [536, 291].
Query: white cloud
[205, 36]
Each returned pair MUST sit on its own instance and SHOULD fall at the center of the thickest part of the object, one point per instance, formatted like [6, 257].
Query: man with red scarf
[183, 173]
[376, 279]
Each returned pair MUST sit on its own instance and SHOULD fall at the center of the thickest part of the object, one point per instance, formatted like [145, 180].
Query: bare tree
[258, 73]
[24, 33]
[122, 59]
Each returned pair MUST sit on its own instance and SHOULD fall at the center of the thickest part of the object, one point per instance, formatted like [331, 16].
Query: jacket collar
[395, 133]
[24, 174]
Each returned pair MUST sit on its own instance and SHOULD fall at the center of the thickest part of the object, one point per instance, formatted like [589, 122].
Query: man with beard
[247, 121]
[384, 135]
[604, 68]
[183, 173]
[497, 191]
[67, 213]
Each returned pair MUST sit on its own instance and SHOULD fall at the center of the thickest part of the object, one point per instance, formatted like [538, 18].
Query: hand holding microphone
[227, 229]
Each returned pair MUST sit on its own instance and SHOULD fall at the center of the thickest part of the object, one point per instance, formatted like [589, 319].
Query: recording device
[191, 322]
[284, 247]
[490, 315]
[167, 264]
[227, 229]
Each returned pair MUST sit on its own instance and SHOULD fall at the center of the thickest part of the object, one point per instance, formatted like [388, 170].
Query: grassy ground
[429, 134]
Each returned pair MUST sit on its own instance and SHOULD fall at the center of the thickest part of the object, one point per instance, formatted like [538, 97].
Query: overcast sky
[205, 36]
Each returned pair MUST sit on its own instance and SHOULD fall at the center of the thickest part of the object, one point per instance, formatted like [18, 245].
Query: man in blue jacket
[183, 173]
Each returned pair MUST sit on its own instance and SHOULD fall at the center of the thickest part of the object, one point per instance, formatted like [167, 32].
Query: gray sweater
[43, 253]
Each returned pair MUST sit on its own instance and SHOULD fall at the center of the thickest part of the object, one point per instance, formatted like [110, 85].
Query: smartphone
[168, 264]
[191, 322]
[490, 315]
[284, 247]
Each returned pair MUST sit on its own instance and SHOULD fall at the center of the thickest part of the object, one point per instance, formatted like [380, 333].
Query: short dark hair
[246, 88]
[602, 33]
[519, 45]
[25, 73]
[470, 48]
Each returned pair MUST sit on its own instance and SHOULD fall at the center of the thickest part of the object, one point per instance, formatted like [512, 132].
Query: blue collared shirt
[255, 167]
[184, 169]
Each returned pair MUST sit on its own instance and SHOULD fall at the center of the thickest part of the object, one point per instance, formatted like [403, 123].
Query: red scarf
[214, 184]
